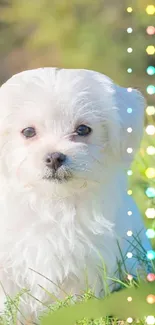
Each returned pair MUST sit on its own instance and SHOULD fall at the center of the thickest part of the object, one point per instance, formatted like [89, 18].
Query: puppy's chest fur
[57, 246]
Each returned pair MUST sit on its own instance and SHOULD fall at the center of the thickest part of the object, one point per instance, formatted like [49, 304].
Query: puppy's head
[66, 128]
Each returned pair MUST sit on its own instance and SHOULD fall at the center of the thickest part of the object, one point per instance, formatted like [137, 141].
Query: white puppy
[63, 176]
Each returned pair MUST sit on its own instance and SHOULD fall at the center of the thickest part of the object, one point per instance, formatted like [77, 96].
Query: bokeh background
[110, 36]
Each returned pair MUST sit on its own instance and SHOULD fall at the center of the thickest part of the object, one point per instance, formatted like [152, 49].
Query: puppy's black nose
[55, 160]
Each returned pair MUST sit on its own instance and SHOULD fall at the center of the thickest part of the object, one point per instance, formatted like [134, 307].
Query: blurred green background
[89, 34]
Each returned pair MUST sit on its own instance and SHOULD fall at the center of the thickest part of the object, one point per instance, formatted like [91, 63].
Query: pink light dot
[151, 277]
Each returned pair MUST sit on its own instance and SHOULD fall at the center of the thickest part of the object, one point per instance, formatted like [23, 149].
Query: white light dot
[129, 192]
[129, 255]
[150, 110]
[129, 30]
[129, 89]
[129, 172]
[150, 150]
[129, 320]
[129, 233]
[129, 299]
[129, 150]
[129, 213]
[150, 320]
[129, 130]
[150, 213]
[129, 70]
[129, 110]
[150, 130]
[129, 50]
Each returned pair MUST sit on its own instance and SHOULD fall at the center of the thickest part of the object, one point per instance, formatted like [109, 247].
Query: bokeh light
[150, 213]
[150, 110]
[129, 70]
[150, 299]
[150, 50]
[129, 9]
[150, 89]
[129, 50]
[150, 233]
[129, 110]
[150, 70]
[150, 30]
[150, 172]
[150, 9]
[150, 130]
[129, 320]
[150, 150]
[129, 30]
[150, 255]
[151, 277]
[150, 192]
[150, 320]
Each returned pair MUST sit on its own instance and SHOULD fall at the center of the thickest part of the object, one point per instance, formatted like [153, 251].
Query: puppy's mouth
[59, 176]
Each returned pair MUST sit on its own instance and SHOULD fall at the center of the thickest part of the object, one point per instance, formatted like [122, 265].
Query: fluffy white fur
[65, 230]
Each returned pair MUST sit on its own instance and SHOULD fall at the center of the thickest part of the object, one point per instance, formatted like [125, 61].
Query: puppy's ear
[130, 107]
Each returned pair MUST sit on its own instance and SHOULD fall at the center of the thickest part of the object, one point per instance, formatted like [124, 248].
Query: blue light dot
[150, 70]
[129, 110]
[150, 255]
[150, 233]
[150, 192]
[150, 89]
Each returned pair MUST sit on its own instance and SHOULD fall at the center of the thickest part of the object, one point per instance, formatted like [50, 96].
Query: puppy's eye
[83, 130]
[29, 132]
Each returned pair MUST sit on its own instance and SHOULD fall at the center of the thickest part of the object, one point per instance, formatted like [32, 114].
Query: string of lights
[150, 150]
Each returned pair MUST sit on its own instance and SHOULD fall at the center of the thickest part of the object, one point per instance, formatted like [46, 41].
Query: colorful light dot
[129, 89]
[129, 192]
[150, 89]
[129, 320]
[150, 172]
[150, 299]
[150, 192]
[150, 213]
[129, 213]
[150, 9]
[150, 150]
[150, 233]
[129, 172]
[151, 277]
[150, 50]
[150, 320]
[129, 110]
[150, 70]
[150, 110]
[129, 9]
[150, 30]
[150, 130]
[129, 277]
[150, 255]
[129, 255]
[129, 130]
[129, 49]
[129, 70]
[129, 233]
[129, 30]
[129, 299]
[129, 150]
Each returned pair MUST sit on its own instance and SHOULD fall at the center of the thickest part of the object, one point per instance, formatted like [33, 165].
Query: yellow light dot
[150, 9]
[150, 213]
[150, 150]
[150, 172]
[150, 299]
[150, 110]
[150, 50]
[129, 299]
[129, 320]
[129, 9]
[129, 233]
[129, 192]
[150, 320]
